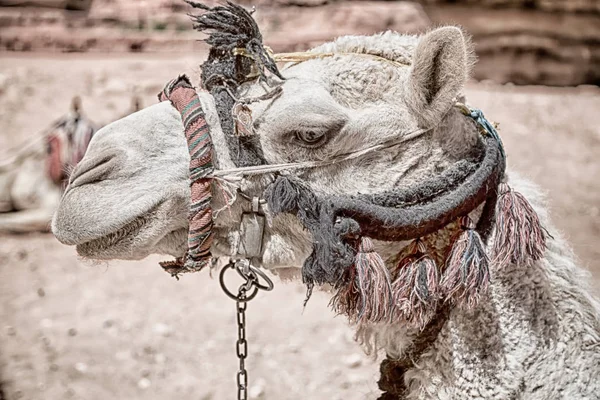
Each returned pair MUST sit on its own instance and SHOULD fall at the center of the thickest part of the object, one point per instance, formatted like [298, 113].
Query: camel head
[129, 196]
[354, 148]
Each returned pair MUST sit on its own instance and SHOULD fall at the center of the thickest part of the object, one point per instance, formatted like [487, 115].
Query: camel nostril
[93, 170]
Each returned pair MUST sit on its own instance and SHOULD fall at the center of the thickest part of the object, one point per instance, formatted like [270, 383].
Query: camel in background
[32, 181]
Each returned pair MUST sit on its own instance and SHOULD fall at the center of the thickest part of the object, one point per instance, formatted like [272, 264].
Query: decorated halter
[66, 143]
[344, 227]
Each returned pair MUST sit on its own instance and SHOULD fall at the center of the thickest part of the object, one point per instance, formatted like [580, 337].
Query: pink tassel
[519, 237]
[416, 288]
[368, 296]
[54, 162]
[466, 275]
[347, 298]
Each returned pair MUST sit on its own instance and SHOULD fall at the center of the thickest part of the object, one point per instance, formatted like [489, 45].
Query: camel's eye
[309, 138]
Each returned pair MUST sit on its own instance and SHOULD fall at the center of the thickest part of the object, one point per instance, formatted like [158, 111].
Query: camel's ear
[441, 64]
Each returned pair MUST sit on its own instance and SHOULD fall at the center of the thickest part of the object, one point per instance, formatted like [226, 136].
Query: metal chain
[246, 292]
[242, 344]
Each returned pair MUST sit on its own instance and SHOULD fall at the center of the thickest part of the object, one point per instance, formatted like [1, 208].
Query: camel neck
[391, 381]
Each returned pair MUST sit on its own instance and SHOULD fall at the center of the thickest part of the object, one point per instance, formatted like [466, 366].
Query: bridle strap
[420, 219]
[184, 99]
[228, 27]
[392, 371]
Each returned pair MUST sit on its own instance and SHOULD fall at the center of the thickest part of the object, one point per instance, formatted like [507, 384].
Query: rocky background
[70, 329]
[549, 42]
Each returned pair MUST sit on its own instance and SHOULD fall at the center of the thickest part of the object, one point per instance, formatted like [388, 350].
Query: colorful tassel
[416, 287]
[519, 237]
[347, 298]
[466, 275]
[54, 163]
[368, 296]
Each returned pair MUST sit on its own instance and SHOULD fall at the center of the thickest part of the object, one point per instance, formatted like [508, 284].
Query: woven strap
[184, 98]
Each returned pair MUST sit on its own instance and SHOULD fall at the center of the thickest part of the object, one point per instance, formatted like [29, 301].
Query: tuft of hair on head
[76, 104]
[136, 103]
[230, 27]
[227, 26]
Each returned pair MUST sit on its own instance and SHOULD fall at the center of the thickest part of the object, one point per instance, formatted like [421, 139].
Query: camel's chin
[88, 251]
[134, 245]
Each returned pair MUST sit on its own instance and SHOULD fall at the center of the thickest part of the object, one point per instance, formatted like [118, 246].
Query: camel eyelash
[309, 137]
[313, 137]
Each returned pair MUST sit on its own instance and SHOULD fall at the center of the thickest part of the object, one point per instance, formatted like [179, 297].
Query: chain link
[242, 345]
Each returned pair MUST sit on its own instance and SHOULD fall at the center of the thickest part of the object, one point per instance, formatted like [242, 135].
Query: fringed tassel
[519, 237]
[416, 287]
[466, 275]
[173, 267]
[367, 297]
[346, 301]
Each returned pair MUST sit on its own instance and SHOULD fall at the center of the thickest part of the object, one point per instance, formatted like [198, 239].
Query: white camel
[31, 181]
[534, 335]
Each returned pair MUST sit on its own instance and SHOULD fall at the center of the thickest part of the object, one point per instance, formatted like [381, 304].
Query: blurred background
[70, 329]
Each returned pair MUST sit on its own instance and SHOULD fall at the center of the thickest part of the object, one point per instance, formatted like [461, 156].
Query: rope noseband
[184, 98]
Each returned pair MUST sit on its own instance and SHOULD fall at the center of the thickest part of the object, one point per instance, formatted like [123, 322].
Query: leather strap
[392, 371]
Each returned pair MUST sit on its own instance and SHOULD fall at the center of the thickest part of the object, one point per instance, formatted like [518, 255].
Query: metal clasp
[252, 230]
[252, 277]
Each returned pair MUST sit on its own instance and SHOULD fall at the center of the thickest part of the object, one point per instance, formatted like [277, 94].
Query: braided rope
[301, 56]
[184, 98]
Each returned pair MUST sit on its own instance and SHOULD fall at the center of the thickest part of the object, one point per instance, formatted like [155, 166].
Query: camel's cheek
[279, 253]
[285, 243]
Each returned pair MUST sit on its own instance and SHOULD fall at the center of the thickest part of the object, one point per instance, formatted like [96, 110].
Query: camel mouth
[122, 237]
[152, 231]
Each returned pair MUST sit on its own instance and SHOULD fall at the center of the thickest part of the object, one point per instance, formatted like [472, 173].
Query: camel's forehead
[361, 68]
[330, 85]
[352, 80]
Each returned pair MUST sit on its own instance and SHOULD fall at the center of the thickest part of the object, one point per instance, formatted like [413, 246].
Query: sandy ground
[73, 330]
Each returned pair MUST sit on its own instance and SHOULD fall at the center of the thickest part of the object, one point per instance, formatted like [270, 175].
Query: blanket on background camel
[66, 142]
